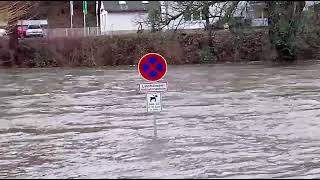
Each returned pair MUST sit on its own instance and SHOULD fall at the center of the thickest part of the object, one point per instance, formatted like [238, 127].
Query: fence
[72, 32]
[260, 22]
[95, 31]
[81, 32]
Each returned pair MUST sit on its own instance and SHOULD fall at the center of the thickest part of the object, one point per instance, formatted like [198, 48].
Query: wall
[187, 24]
[259, 22]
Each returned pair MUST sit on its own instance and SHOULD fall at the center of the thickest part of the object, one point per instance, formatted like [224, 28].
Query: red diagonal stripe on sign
[152, 67]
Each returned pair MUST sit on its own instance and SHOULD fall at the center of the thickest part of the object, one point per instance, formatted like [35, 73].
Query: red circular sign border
[165, 61]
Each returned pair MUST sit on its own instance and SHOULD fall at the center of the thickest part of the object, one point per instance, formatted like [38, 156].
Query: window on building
[123, 5]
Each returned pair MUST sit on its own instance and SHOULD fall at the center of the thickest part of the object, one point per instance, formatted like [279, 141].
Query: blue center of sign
[145, 67]
[152, 60]
[153, 73]
[159, 67]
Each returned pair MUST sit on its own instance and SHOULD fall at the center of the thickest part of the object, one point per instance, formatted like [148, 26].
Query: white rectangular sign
[154, 102]
[159, 87]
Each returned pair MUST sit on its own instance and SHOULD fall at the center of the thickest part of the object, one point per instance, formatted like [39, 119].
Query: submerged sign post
[153, 67]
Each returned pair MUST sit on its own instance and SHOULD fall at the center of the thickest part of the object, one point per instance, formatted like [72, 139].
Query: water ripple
[218, 122]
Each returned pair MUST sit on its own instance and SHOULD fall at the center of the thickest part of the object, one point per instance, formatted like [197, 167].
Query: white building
[124, 15]
[128, 15]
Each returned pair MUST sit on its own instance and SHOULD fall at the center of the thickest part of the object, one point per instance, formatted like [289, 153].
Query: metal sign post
[153, 67]
[155, 126]
[154, 105]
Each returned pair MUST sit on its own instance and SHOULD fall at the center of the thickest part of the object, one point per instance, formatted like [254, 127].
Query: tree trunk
[284, 19]
[206, 13]
[13, 40]
[273, 19]
[12, 27]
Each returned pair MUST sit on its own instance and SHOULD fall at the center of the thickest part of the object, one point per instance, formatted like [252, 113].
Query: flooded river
[219, 121]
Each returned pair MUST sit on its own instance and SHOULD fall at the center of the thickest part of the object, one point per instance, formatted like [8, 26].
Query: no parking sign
[152, 67]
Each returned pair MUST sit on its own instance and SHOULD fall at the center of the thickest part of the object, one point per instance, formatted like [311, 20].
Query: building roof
[129, 6]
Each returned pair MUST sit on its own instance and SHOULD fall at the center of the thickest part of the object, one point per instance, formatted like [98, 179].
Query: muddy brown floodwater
[219, 121]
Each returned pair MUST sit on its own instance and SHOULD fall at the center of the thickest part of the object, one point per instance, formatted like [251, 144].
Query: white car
[3, 32]
[34, 30]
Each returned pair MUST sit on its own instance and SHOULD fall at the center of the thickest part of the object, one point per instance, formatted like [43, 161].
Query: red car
[22, 31]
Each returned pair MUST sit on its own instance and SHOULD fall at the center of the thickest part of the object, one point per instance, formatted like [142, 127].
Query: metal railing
[72, 32]
[259, 22]
[81, 32]
[96, 31]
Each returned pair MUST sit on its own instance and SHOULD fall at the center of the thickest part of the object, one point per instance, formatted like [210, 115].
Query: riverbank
[178, 48]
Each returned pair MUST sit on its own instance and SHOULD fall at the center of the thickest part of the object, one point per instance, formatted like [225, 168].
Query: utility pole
[85, 10]
[71, 13]
[97, 9]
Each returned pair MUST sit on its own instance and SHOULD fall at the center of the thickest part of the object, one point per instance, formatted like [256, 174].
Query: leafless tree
[174, 12]
[15, 10]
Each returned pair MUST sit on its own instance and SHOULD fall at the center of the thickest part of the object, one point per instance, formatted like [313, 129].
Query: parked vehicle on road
[2, 32]
[24, 24]
[22, 31]
[34, 31]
